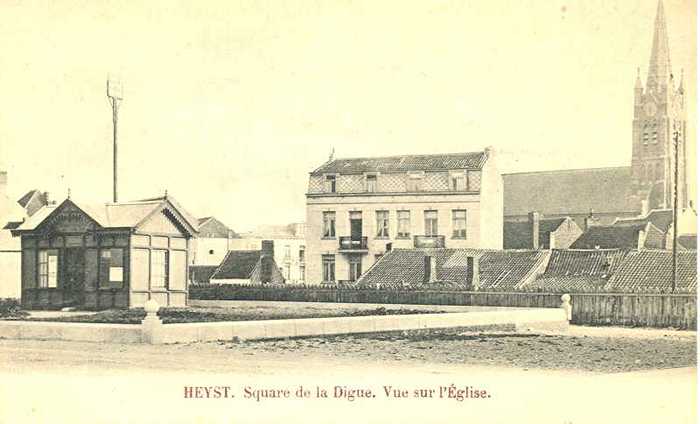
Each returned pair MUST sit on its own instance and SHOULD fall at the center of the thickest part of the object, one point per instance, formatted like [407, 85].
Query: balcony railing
[428, 241]
[352, 244]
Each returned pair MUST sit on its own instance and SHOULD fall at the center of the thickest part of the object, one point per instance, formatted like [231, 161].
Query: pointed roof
[660, 60]
[115, 215]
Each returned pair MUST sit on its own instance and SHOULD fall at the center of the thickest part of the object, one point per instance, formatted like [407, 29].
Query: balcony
[350, 244]
[428, 241]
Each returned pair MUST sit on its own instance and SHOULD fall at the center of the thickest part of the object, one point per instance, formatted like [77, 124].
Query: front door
[73, 276]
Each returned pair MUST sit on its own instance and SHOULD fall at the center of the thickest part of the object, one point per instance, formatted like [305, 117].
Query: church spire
[660, 60]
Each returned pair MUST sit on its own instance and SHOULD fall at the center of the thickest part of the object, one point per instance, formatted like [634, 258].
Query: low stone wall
[153, 331]
[71, 331]
[304, 327]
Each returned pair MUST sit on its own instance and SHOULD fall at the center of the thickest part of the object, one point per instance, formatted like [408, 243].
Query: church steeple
[659, 114]
[660, 60]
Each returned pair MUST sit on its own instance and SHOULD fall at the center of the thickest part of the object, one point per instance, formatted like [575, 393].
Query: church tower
[659, 117]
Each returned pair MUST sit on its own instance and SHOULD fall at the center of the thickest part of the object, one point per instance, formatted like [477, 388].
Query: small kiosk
[116, 255]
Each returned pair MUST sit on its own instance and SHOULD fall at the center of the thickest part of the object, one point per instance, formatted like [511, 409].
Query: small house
[249, 267]
[114, 255]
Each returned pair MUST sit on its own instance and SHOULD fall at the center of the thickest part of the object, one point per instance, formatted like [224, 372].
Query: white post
[151, 324]
[566, 305]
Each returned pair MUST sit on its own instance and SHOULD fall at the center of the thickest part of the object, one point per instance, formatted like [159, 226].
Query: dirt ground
[589, 349]
[546, 378]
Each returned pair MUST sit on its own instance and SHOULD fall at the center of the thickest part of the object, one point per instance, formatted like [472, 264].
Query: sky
[228, 105]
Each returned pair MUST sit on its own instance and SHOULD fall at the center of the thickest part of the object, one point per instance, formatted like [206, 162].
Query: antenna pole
[676, 136]
[114, 94]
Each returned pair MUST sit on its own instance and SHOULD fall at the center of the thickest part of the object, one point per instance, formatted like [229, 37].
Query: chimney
[645, 207]
[590, 221]
[3, 183]
[388, 247]
[473, 272]
[534, 220]
[267, 248]
[267, 254]
[429, 269]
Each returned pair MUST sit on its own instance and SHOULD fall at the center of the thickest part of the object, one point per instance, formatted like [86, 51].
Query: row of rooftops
[571, 270]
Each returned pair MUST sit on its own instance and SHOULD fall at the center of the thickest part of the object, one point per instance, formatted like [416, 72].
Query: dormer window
[415, 182]
[330, 183]
[371, 183]
[458, 181]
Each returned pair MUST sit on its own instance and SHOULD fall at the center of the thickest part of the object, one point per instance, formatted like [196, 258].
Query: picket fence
[627, 309]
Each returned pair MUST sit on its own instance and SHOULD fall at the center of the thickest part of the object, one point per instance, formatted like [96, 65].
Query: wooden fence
[626, 309]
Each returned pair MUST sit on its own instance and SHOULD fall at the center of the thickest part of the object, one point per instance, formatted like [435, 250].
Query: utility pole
[676, 136]
[115, 96]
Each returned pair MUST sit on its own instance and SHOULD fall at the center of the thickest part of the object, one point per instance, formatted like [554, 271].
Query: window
[159, 269]
[431, 223]
[653, 133]
[328, 224]
[287, 271]
[328, 268]
[415, 182]
[302, 272]
[48, 268]
[355, 268]
[287, 253]
[112, 268]
[459, 224]
[330, 183]
[302, 254]
[458, 182]
[382, 224]
[371, 183]
[403, 224]
[211, 251]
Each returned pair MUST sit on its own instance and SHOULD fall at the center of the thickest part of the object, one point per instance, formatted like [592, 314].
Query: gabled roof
[201, 274]
[114, 215]
[24, 200]
[612, 236]
[598, 262]
[688, 241]
[661, 218]
[567, 284]
[210, 227]
[403, 163]
[569, 192]
[498, 270]
[649, 271]
[517, 235]
[237, 264]
[247, 265]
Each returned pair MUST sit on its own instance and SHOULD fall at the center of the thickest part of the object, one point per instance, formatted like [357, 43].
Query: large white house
[357, 209]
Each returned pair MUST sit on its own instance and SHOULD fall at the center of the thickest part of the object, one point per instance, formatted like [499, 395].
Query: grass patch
[191, 315]
[11, 308]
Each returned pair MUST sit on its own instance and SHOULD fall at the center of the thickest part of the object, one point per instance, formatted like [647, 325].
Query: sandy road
[82, 382]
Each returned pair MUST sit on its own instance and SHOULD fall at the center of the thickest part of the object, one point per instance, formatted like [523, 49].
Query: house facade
[116, 255]
[11, 215]
[213, 242]
[357, 209]
[289, 247]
